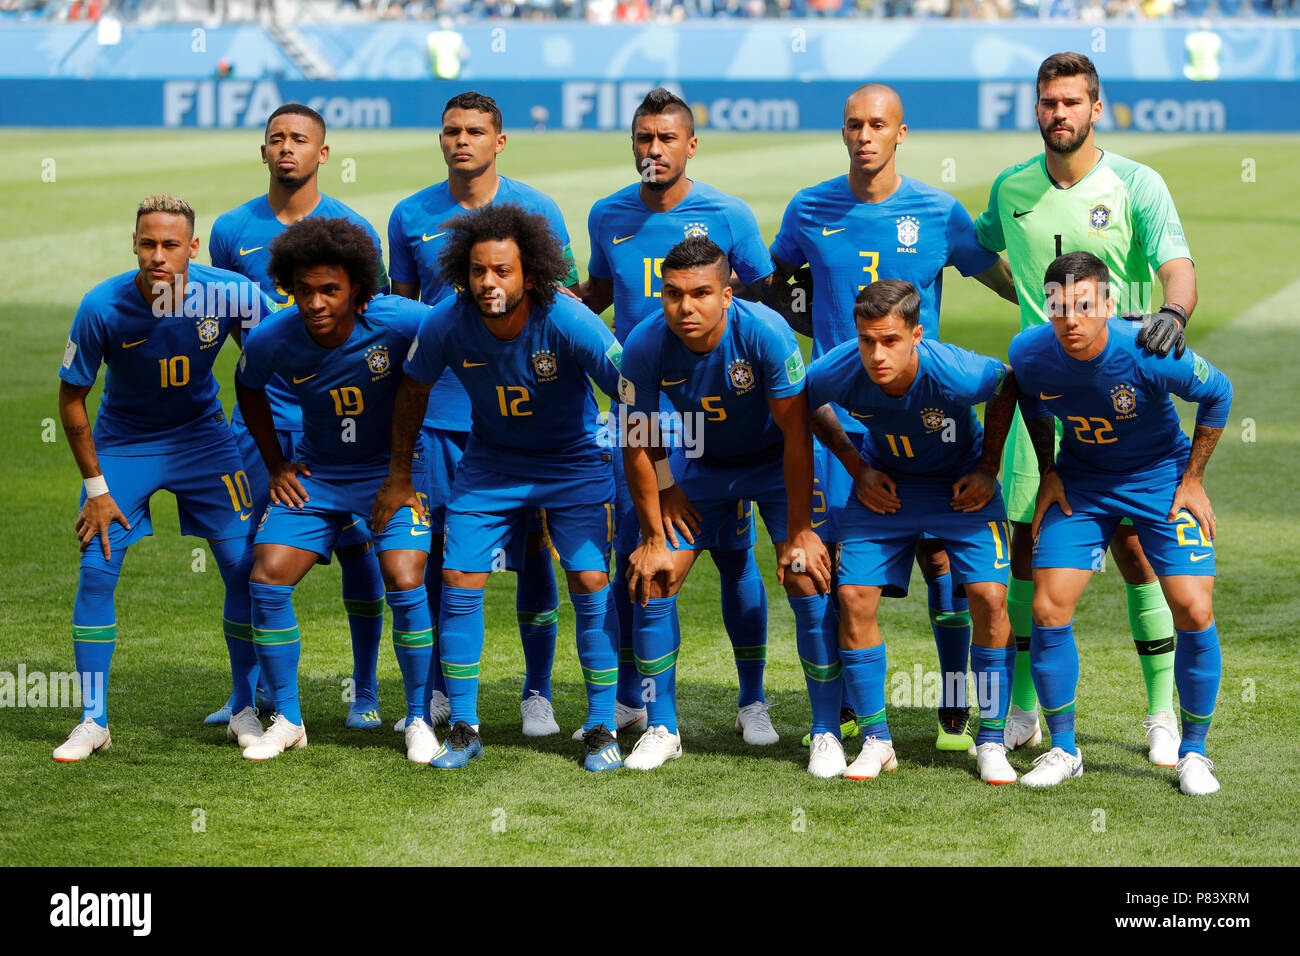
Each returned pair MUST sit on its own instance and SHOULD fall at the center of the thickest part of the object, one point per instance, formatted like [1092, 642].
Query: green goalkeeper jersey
[1121, 212]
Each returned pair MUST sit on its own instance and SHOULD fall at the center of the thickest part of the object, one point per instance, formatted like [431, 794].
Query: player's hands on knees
[1191, 497]
[648, 560]
[805, 553]
[96, 517]
[1051, 491]
[678, 515]
[394, 494]
[286, 489]
[972, 492]
[877, 491]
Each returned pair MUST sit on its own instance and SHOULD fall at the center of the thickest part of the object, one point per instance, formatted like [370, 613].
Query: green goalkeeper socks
[1020, 600]
[1153, 633]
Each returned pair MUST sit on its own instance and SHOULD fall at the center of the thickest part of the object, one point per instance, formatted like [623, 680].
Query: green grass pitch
[173, 792]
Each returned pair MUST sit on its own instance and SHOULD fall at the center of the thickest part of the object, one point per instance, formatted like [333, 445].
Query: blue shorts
[211, 489]
[723, 493]
[336, 505]
[1080, 540]
[486, 511]
[877, 550]
[259, 480]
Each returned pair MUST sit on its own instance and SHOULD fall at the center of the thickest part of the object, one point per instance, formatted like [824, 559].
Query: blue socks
[1198, 666]
[363, 597]
[275, 636]
[744, 615]
[656, 640]
[433, 594]
[460, 634]
[413, 645]
[536, 607]
[864, 681]
[1054, 659]
[234, 557]
[993, 667]
[950, 622]
[819, 656]
[94, 628]
[598, 655]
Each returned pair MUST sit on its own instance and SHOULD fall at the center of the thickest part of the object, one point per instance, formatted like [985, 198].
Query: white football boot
[439, 713]
[991, 759]
[85, 739]
[755, 726]
[421, 743]
[1053, 767]
[276, 739]
[1196, 776]
[654, 749]
[1163, 739]
[244, 727]
[877, 757]
[1022, 729]
[826, 756]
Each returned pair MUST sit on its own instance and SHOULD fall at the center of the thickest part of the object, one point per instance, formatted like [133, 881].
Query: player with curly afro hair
[541, 253]
[329, 242]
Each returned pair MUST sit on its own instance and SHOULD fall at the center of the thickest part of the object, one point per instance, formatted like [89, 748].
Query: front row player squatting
[736, 366]
[336, 348]
[936, 474]
[524, 355]
[1123, 454]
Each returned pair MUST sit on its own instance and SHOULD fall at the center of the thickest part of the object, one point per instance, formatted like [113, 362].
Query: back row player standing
[294, 148]
[631, 232]
[471, 139]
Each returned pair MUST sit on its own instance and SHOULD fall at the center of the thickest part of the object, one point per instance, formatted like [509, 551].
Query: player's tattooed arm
[805, 553]
[998, 278]
[397, 491]
[1191, 495]
[826, 426]
[98, 512]
[1051, 490]
[975, 490]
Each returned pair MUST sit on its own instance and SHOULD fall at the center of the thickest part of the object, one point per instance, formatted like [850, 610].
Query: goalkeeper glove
[1163, 331]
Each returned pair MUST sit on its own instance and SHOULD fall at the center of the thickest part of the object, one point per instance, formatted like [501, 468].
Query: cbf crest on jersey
[1124, 398]
[377, 361]
[932, 419]
[909, 230]
[1099, 217]
[741, 376]
[209, 330]
[544, 365]
[694, 229]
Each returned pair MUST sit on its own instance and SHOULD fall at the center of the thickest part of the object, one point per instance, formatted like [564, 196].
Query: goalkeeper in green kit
[1076, 197]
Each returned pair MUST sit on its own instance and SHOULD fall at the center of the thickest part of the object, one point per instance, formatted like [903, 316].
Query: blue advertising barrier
[603, 105]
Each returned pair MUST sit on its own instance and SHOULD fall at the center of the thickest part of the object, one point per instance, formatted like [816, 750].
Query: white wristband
[664, 474]
[95, 486]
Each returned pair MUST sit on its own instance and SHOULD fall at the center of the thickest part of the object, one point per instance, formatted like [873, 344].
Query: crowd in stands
[638, 11]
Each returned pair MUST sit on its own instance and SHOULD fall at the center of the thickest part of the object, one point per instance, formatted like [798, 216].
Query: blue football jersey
[1116, 411]
[849, 244]
[533, 412]
[241, 242]
[416, 239]
[929, 433]
[726, 390]
[629, 242]
[346, 393]
[159, 392]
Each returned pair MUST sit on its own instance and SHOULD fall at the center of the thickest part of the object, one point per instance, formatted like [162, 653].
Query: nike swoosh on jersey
[131, 345]
[618, 239]
[1046, 398]
[245, 517]
[467, 364]
[299, 381]
[1016, 213]
[831, 232]
[818, 524]
[434, 236]
[664, 381]
[244, 252]
[1201, 557]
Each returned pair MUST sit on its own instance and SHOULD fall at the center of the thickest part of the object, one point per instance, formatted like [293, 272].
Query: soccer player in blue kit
[736, 368]
[1123, 454]
[868, 225]
[158, 329]
[471, 139]
[631, 231]
[930, 469]
[337, 348]
[294, 149]
[523, 353]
